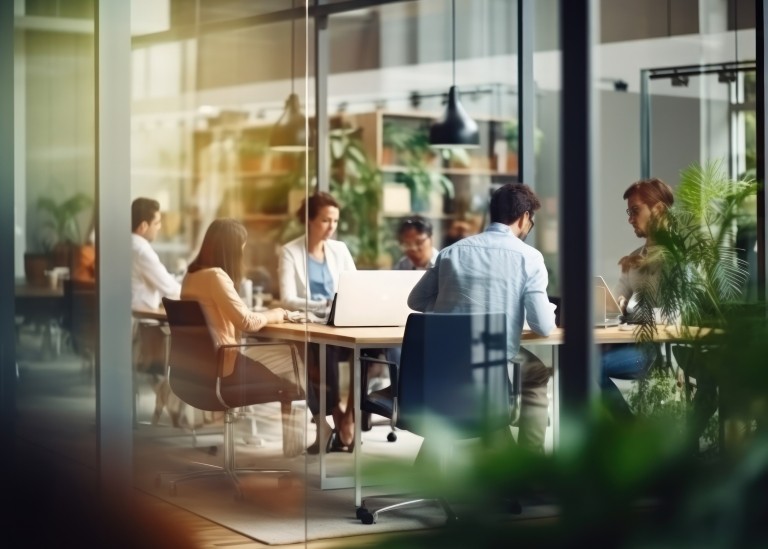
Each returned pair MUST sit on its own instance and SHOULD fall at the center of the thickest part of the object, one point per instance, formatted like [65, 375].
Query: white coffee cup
[53, 279]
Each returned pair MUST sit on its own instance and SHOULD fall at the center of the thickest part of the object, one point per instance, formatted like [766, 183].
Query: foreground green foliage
[645, 483]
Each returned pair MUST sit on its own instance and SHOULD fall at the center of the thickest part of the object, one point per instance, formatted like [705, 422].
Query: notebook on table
[373, 298]
[606, 309]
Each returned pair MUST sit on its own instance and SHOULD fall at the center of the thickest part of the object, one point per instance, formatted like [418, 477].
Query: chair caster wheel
[514, 507]
[213, 450]
[366, 518]
[392, 437]
[360, 511]
[367, 422]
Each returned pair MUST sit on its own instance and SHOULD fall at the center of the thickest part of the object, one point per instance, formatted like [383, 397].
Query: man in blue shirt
[495, 271]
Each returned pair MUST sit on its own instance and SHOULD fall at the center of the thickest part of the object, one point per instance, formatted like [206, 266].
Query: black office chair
[194, 376]
[454, 368]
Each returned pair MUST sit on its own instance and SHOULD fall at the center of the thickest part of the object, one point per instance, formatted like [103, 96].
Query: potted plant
[412, 151]
[254, 155]
[701, 277]
[60, 227]
[357, 183]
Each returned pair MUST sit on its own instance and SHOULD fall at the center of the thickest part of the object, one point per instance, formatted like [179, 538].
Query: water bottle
[246, 291]
[258, 298]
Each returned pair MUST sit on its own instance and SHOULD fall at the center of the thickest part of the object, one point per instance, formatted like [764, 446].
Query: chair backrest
[193, 361]
[453, 370]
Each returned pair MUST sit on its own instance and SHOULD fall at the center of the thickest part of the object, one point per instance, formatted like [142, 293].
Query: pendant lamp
[455, 129]
[289, 134]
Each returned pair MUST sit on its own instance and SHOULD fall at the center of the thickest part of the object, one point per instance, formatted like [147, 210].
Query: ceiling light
[455, 129]
[289, 134]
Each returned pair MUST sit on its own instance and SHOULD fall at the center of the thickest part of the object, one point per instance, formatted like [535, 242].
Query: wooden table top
[393, 335]
[28, 290]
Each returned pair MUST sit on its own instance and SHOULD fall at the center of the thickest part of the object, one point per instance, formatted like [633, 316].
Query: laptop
[606, 309]
[373, 298]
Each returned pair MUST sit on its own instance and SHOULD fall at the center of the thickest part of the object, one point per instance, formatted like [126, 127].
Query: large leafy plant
[59, 223]
[356, 182]
[411, 145]
[699, 268]
[700, 281]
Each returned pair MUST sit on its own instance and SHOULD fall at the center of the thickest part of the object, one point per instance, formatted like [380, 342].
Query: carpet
[277, 515]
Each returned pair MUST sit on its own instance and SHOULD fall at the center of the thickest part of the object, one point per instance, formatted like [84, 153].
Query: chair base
[216, 471]
[228, 469]
[366, 517]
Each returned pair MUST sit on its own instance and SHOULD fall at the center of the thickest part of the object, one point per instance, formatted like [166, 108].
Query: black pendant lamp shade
[455, 129]
[289, 134]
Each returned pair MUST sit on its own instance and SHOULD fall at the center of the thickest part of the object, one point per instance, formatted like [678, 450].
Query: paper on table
[300, 317]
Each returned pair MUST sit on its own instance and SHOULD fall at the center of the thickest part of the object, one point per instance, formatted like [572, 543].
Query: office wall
[677, 141]
[59, 122]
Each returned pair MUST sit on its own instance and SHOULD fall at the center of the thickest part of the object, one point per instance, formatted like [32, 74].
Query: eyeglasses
[634, 211]
[416, 245]
[530, 218]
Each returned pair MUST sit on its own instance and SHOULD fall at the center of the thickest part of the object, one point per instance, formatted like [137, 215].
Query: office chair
[194, 376]
[80, 320]
[453, 368]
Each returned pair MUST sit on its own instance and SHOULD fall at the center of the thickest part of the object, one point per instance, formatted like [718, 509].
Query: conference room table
[357, 339]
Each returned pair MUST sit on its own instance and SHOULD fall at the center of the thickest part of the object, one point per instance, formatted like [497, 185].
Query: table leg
[555, 397]
[322, 436]
[356, 375]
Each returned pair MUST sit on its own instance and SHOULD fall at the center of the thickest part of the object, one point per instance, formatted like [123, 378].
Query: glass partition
[247, 111]
[675, 105]
[207, 110]
[54, 201]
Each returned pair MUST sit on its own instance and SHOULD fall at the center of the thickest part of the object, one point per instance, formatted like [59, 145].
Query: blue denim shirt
[493, 271]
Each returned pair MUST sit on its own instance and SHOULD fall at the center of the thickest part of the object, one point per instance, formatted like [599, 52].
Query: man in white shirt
[150, 280]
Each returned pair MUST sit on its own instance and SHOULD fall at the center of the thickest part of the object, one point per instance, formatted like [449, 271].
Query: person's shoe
[335, 444]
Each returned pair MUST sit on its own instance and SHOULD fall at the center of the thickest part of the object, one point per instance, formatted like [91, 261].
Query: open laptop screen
[606, 309]
[373, 298]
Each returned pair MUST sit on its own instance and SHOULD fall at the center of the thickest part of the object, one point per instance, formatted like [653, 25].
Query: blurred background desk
[42, 308]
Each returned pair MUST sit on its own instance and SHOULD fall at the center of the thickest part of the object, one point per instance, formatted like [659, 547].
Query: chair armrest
[393, 372]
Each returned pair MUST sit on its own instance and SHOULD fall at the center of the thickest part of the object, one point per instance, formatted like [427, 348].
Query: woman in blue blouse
[309, 276]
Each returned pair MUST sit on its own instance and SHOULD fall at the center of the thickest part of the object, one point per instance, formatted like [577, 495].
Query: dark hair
[143, 209]
[511, 201]
[420, 224]
[311, 206]
[651, 192]
[222, 247]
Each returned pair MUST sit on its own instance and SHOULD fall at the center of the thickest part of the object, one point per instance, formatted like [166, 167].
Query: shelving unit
[472, 174]
[234, 169]
[253, 183]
